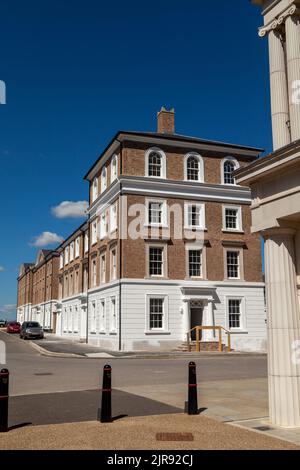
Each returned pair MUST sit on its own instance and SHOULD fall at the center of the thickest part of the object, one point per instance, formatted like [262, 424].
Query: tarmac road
[230, 387]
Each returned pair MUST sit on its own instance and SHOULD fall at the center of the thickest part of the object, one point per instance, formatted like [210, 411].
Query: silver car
[31, 329]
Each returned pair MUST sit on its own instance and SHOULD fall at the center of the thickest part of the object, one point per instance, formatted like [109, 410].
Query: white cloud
[1, 269]
[70, 209]
[8, 311]
[45, 239]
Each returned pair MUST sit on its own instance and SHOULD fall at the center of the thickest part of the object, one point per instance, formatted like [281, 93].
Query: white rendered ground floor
[141, 315]
[43, 313]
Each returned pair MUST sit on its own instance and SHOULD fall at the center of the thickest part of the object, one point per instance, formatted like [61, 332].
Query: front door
[196, 318]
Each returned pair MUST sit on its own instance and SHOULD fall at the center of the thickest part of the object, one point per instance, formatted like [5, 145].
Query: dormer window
[155, 163]
[95, 189]
[103, 180]
[229, 165]
[193, 167]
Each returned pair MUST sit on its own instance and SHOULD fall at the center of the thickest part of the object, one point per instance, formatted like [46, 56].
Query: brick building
[167, 246]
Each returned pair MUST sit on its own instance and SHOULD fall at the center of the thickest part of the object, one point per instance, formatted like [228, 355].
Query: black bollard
[4, 383]
[105, 412]
[192, 395]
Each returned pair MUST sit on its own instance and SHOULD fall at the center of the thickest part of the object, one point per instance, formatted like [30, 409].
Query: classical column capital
[266, 29]
[292, 10]
[278, 232]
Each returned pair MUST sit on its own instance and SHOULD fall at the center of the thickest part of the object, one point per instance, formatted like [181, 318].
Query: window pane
[154, 164]
[156, 313]
[194, 216]
[229, 168]
[155, 213]
[193, 169]
[233, 264]
[195, 263]
[231, 218]
[234, 307]
[156, 261]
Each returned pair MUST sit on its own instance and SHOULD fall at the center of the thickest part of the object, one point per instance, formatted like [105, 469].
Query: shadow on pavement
[68, 407]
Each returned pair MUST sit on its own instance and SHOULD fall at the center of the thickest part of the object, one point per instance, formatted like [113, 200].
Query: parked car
[2, 323]
[13, 327]
[31, 329]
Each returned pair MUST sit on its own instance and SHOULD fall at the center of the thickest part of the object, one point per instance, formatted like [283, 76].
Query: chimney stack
[166, 121]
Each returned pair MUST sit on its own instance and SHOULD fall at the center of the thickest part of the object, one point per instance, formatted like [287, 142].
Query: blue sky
[76, 72]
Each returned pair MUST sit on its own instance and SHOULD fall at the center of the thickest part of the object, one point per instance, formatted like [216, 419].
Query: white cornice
[171, 189]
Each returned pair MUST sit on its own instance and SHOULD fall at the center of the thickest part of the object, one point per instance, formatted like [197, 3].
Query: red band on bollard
[4, 373]
[106, 390]
[3, 397]
[192, 385]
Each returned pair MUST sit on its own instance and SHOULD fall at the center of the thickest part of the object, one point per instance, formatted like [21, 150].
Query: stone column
[208, 320]
[186, 318]
[283, 327]
[292, 29]
[279, 91]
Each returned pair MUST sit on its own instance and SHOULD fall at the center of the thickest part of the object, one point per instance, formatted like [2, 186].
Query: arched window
[155, 163]
[103, 180]
[193, 170]
[95, 189]
[114, 169]
[229, 165]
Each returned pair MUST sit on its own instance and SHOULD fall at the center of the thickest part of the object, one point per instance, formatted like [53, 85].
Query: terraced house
[167, 247]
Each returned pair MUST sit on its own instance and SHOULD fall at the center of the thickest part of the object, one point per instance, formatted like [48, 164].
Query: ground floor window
[156, 314]
[235, 313]
[113, 315]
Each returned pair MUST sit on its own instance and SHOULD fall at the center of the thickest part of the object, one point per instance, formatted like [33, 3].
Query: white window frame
[102, 316]
[239, 218]
[237, 166]
[70, 320]
[203, 264]
[199, 205]
[113, 218]
[86, 242]
[114, 168]
[240, 252]
[93, 318]
[61, 260]
[164, 213]
[102, 271]
[243, 317]
[165, 328]
[103, 225]
[164, 248]
[94, 232]
[95, 189]
[71, 251]
[113, 328]
[77, 247]
[94, 272]
[201, 167]
[76, 320]
[163, 162]
[66, 255]
[103, 179]
[113, 272]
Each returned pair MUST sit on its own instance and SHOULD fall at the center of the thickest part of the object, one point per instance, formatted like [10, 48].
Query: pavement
[56, 391]
[141, 433]
[54, 345]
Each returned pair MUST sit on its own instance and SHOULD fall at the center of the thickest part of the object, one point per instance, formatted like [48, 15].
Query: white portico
[198, 310]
